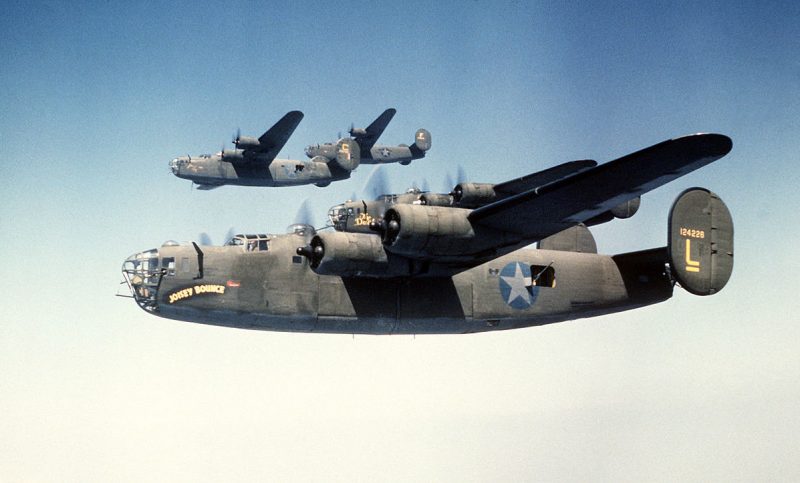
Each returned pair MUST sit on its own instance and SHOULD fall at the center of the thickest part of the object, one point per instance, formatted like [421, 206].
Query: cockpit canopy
[251, 243]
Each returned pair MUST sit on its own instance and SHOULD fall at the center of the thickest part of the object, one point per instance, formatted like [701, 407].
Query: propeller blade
[448, 183]
[304, 215]
[205, 240]
[376, 184]
[461, 174]
[231, 233]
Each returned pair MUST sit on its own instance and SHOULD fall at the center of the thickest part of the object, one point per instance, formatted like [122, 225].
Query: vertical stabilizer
[700, 241]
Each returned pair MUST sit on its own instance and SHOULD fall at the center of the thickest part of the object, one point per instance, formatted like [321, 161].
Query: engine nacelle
[436, 199]
[327, 150]
[627, 209]
[348, 154]
[428, 232]
[473, 195]
[346, 254]
[232, 155]
[247, 142]
[623, 210]
[357, 131]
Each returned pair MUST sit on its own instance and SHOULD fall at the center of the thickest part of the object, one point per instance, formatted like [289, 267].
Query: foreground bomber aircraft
[254, 162]
[451, 269]
[372, 153]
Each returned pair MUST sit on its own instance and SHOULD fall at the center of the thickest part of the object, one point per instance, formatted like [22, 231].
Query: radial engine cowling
[247, 142]
[473, 195]
[436, 199]
[232, 155]
[328, 151]
[428, 232]
[346, 254]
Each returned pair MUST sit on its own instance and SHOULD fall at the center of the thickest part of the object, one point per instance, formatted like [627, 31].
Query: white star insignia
[519, 286]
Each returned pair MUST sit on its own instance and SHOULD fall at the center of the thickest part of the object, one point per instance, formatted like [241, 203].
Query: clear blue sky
[97, 97]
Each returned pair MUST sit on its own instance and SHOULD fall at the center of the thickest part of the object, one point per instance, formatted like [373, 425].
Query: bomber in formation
[457, 262]
[254, 162]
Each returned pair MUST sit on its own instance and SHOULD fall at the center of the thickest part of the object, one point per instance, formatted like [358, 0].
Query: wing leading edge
[545, 210]
[272, 141]
[540, 178]
[374, 130]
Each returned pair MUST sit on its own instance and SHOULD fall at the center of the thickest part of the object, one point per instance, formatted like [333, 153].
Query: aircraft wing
[545, 210]
[374, 130]
[541, 178]
[272, 141]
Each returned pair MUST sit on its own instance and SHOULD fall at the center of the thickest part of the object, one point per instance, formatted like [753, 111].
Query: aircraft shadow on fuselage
[417, 298]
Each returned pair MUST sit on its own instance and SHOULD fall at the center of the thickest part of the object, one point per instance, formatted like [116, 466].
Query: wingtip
[713, 143]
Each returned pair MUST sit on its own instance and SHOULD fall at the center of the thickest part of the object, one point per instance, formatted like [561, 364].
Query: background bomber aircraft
[372, 153]
[361, 215]
[457, 269]
[254, 161]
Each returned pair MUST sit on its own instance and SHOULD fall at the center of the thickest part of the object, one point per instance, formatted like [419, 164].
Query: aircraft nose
[173, 165]
[142, 274]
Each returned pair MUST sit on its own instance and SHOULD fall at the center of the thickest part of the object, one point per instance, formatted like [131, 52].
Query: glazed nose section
[179, 163]
[142, 273]
[176, 164]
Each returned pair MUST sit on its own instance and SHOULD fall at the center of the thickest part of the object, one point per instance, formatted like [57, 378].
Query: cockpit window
[251, 243]
[168, 264]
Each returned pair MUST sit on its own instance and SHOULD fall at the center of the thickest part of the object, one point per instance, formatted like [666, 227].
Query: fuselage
[210, 169]
[259, 282]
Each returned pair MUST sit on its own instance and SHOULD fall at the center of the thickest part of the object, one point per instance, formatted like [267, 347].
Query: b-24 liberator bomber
[253, 162]
[372, 153]
[361, 216]
[449, 269]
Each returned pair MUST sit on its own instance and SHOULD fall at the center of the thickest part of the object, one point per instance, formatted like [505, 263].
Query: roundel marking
[515, 286]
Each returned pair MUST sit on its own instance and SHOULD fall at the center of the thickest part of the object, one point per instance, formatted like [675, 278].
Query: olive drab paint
[700, 241]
